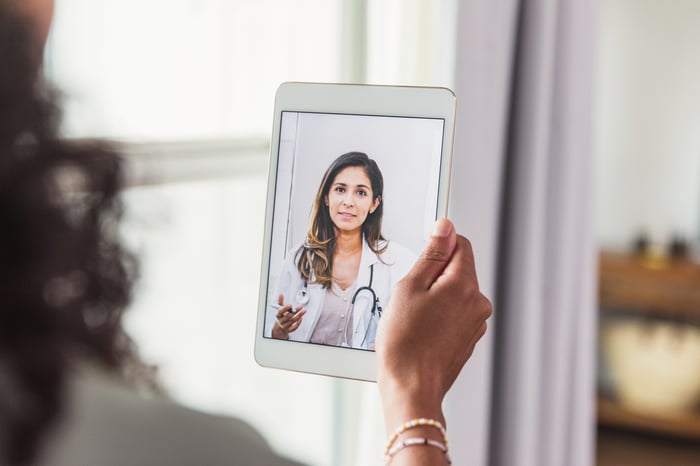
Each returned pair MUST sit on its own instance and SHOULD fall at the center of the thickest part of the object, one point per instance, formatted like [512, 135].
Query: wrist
[419, 432]
[279, 333]
[402, 403]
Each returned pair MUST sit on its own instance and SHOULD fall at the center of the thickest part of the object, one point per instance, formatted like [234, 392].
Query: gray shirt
[334, 326]
[107, 424]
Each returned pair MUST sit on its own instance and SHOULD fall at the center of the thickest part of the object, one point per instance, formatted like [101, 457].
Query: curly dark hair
[65, 279]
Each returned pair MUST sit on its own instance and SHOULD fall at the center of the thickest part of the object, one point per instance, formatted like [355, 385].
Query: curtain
[482, 84]
[523, 192]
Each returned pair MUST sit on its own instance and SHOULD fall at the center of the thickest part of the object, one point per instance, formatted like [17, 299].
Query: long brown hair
[315, 257]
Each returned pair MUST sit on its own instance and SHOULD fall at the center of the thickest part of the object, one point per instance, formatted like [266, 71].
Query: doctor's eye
[361, 192]
[339, 189]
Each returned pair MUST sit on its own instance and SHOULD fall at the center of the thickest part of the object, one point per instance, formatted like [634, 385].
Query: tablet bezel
[351, 99]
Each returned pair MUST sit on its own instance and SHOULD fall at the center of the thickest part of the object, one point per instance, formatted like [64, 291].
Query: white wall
[648, 120]
[407, 151]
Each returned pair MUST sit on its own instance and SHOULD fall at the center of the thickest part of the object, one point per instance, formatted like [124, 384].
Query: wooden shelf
[631, 283]
[611, 413]
[669, 289]
[622, 447]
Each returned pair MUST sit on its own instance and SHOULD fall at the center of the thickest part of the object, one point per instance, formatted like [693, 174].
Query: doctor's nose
[347, 200]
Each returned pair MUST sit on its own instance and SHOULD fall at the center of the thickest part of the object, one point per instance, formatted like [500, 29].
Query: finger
[290, 319]
[297, 321]
[487, 306]
[476, 338]
[435, 255]
[294, 311]
[461, 265]
[280, 300]
[480, 333]
[282, 312]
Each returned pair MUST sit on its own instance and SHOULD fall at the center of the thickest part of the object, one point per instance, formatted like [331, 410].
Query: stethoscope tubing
[302, 298]
[375, 299]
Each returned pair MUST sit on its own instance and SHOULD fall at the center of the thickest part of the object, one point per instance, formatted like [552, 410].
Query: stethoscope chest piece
[302, 297]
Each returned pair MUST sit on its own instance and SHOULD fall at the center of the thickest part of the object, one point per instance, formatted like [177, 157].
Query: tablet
[358, 175]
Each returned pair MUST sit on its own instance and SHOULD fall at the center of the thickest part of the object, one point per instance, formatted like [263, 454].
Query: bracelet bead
[415, 423]
[420, 441]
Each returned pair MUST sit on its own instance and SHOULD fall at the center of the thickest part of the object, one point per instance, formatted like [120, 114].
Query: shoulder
[106, 420]
[397, 253]
[291, 259]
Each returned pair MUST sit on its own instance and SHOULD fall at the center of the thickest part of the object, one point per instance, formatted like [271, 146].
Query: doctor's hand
[288, 320]
[434, 319]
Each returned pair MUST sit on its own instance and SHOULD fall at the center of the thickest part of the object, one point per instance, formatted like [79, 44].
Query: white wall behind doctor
[407, 151]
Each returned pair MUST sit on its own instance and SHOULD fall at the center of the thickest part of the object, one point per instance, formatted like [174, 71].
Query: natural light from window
[189, 86]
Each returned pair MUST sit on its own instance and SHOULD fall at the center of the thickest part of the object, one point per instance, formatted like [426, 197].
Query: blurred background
[187, 88]
[648, 227]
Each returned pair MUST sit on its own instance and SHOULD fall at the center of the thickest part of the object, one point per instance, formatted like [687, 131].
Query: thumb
[435, 255]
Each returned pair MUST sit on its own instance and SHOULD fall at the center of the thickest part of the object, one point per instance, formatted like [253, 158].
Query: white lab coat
[394, 264]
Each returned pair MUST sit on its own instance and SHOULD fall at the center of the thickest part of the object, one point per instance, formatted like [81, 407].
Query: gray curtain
[525, 72]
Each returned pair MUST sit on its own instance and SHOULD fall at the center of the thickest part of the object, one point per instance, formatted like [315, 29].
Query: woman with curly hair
[65, 281]
[64, 278]
[68, 371]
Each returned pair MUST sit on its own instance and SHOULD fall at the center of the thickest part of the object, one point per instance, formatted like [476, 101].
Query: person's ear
[325, 200]
[40, 15]
[375, 204]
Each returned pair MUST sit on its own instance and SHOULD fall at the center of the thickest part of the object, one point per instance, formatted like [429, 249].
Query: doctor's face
[350, 199]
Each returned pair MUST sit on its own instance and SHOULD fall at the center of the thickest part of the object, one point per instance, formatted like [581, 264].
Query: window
[187, 69]
[189, 86]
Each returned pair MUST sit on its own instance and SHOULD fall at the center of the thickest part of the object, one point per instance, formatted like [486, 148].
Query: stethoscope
[303, 297]
[376, 308]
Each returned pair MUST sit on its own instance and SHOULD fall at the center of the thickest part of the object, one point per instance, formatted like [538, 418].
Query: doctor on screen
[333, 289]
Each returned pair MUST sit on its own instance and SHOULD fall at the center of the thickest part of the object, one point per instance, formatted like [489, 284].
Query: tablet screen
[354, 197]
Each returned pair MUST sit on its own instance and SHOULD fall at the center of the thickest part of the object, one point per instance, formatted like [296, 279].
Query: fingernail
[442, 228]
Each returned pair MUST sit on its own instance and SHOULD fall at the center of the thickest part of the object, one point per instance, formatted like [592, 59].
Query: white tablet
[358, 175]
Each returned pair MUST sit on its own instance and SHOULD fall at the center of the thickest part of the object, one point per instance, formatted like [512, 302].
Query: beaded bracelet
[415, 423]
[416, 441]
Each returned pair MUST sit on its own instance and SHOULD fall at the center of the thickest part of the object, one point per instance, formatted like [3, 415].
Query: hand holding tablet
[435, 319]
[440, 300]
[358, 175]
